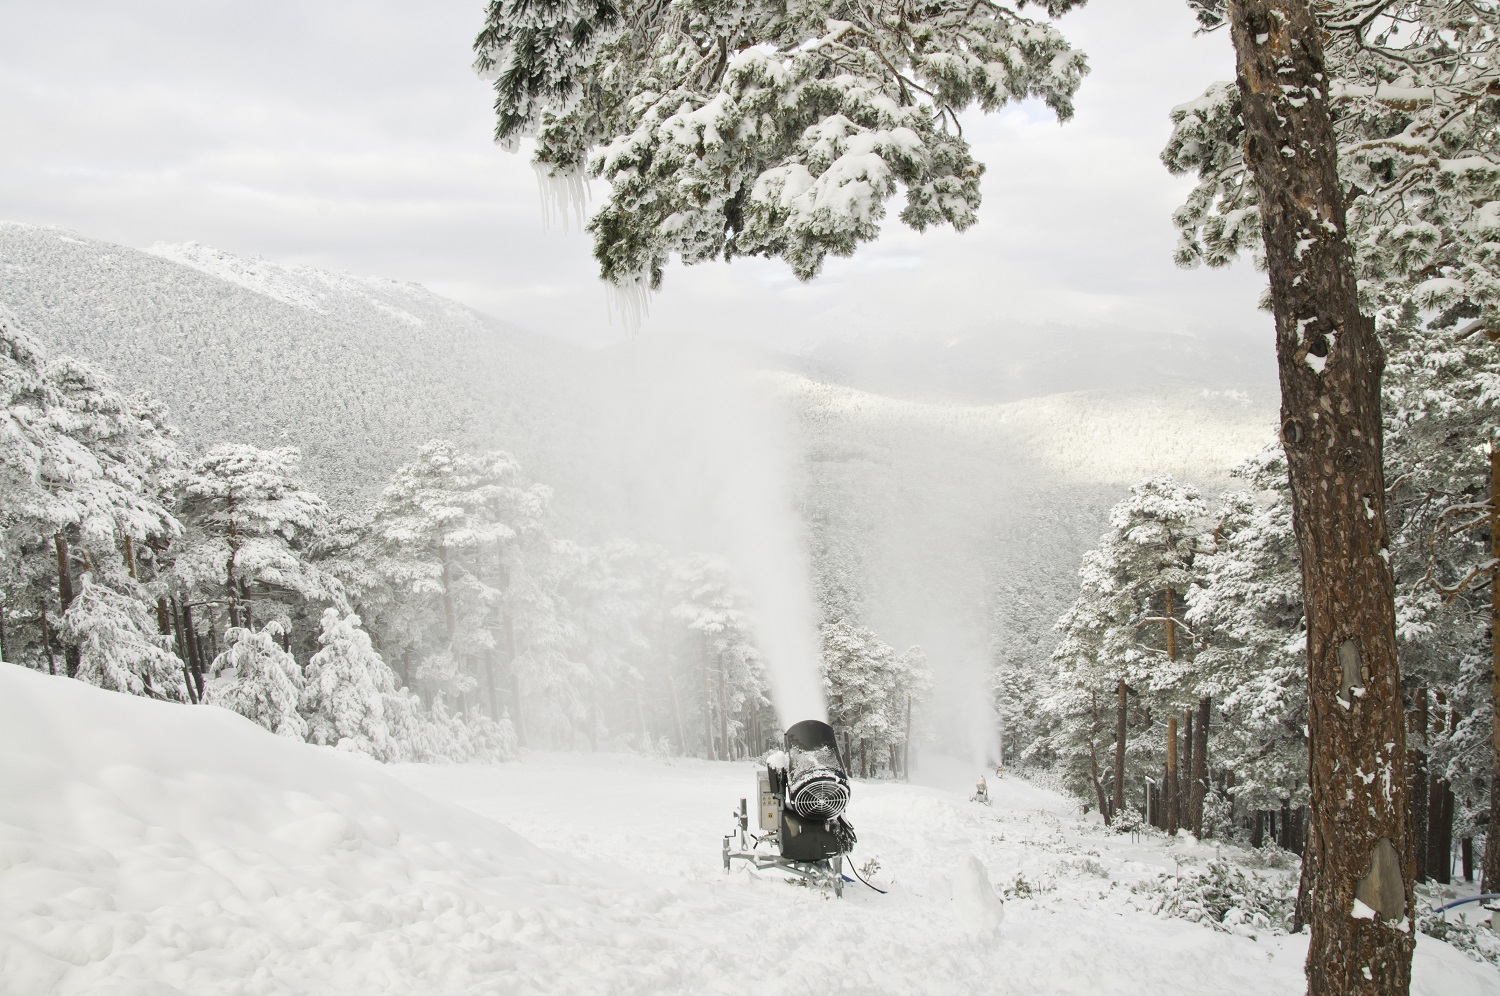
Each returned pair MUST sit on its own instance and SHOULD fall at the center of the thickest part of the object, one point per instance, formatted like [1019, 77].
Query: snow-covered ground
[148, 848]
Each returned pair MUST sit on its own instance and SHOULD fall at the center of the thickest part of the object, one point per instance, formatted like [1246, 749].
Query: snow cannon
[803, 790]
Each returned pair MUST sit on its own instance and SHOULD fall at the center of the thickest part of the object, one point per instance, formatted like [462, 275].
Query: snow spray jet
[709, 463]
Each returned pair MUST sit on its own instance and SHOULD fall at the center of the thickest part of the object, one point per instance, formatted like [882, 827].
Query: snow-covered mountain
[965, 521]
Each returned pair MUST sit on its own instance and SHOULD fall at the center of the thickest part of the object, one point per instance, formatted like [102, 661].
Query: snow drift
[154, 847]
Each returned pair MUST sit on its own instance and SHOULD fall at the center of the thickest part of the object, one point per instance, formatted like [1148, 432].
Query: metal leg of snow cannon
[822, 873]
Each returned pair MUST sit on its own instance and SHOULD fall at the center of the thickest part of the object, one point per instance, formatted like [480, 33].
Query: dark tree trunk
[1438, 857]
[1466, 857]
[1418, 791]
[1200, 767]
[1444, 834]
[1258, 829]
[1185, 819]
[1330, 362]
[71, 653]
[1171, 787]
[1120, 715]
[47, 643]
[1104, 808]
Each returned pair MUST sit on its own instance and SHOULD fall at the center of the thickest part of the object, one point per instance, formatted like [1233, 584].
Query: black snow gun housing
[804, 789]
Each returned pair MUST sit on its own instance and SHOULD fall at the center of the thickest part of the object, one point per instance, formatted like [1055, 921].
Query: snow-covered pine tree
[250, 525]
[763, 129]
[1124, 649]
[259, 680]
[1246, 607]
[1417, 152]
[869, 688]
[721, 644]
[446, 541]
[118, 643]
[344, 689]
[89, 465]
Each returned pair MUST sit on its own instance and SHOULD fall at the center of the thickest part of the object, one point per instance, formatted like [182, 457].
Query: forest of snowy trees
[1190, 609]
[447, 621]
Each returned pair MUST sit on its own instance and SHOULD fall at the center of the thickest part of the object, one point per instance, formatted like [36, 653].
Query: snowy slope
[148, 848]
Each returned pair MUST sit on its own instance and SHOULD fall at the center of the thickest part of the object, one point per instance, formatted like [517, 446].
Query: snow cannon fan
[804, 790]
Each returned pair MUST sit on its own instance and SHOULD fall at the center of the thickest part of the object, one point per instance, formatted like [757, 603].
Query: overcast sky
[354, 135]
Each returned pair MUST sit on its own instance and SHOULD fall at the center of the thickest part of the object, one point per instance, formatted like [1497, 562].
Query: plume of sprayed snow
[710, 464]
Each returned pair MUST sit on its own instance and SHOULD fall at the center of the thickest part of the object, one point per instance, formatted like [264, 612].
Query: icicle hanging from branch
[564, 197]
[630, 300]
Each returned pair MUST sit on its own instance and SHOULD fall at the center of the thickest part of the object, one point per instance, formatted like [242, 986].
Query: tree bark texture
[1171, 799]
[1329, 362]
[1120, 711]
[1417, 762]
[1185, 819]
[1200, 766]
[1489, 875]
[71, 654]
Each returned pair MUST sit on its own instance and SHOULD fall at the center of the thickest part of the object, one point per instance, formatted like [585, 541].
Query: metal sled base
[829, 871]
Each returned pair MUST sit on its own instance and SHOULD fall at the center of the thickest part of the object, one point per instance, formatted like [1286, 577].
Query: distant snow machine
[803, 793]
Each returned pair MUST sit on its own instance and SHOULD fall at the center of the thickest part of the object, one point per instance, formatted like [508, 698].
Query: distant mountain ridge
[357, 372]
[967, 520]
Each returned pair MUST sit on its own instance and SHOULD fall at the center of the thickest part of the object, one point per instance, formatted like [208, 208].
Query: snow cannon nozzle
[817, 783]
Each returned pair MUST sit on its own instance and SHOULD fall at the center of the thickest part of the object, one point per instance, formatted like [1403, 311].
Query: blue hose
[1472, 899]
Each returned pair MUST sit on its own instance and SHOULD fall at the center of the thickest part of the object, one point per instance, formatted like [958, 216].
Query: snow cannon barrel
[817, 787]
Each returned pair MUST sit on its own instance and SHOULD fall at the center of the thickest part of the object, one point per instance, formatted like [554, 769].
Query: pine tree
[762, 129]
[1246, 607]
[250, 526]
[344, 689]
[259, 680]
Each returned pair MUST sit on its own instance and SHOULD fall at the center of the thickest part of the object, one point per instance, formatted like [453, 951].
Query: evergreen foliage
[763, 129]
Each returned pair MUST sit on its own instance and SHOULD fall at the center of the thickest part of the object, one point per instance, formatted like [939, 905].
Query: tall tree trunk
[1439, 832]
[1199, 774]
[1104, 808]
[164, 619]
[129, 556]
[47, 642]
[708, 711]
[1466, 857]
[724, 714]
[517, 721]
[906, 744]
[488, 661]
[677, 717]
[189, 634]
[3, 654]
[450, 621]
[1171, 799]
[71, 653]
[1330, 362]
[1419, 791]
[1489, 875]
[1171, 625]
[1189, 742]
[1120, 714]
